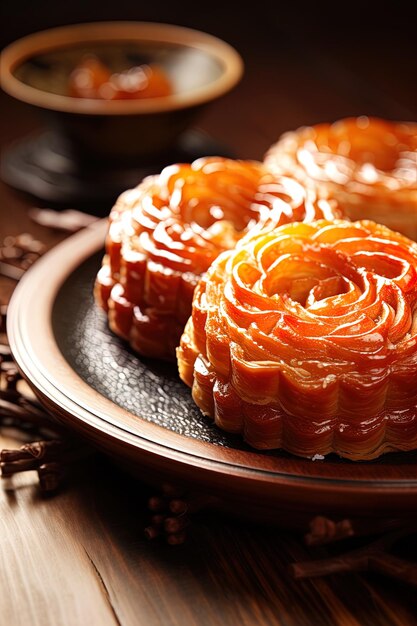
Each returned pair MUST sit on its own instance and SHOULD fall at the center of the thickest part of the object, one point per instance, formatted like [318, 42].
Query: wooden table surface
[81, 557]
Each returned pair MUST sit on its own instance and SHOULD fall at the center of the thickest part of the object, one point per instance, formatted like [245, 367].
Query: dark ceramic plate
[140, 413]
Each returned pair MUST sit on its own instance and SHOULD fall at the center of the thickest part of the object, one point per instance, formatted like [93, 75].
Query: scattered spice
[68, 220]
[373, 557]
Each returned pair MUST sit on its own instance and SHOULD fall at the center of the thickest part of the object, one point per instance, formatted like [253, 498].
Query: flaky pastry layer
[305, 338]
[167, 231]
[368, 165]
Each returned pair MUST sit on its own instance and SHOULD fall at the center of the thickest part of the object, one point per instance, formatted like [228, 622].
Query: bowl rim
[19, 51]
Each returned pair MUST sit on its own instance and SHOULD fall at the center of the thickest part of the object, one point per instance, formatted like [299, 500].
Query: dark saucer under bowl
[93, 148]
[42, 166]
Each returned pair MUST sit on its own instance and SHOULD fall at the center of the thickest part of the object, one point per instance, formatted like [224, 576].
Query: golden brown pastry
[305, 338]
[166, 232]
[368, 164]
[92, 78]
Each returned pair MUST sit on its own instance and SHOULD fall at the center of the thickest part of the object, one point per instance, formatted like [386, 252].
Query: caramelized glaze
[92, 78]
[368, 164]
[305, 338]
[166, 232]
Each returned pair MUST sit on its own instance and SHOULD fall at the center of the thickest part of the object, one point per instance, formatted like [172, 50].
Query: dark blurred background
[382, 25]
[372, 45]
[343, 48]
[305, 62]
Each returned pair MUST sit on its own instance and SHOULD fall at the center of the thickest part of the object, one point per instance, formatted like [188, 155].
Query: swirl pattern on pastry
[167, 231]
[368, 164]
[305, 339]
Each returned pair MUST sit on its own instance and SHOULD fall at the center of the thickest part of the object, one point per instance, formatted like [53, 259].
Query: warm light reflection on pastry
[368, 164]
[305, 338]
[92, 78]
[166, 232]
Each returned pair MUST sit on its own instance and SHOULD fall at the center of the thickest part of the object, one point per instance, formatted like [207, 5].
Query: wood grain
[81, 557]
[246, 481]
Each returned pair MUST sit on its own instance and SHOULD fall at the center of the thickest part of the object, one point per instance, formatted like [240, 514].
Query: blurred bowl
[200, 67]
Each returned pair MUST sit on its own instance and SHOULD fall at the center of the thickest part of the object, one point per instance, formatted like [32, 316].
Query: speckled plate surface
[149, 389]
[138, 410]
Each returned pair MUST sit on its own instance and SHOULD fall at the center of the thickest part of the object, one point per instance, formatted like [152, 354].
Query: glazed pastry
[305, 339]
[369, 165]
[92, 78]
[166, 232]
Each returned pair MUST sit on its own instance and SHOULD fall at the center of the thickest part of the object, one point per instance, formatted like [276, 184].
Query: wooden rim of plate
[380, 487]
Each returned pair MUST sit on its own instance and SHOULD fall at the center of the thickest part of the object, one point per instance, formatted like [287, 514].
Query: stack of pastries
[290, 308]
[164, 234]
